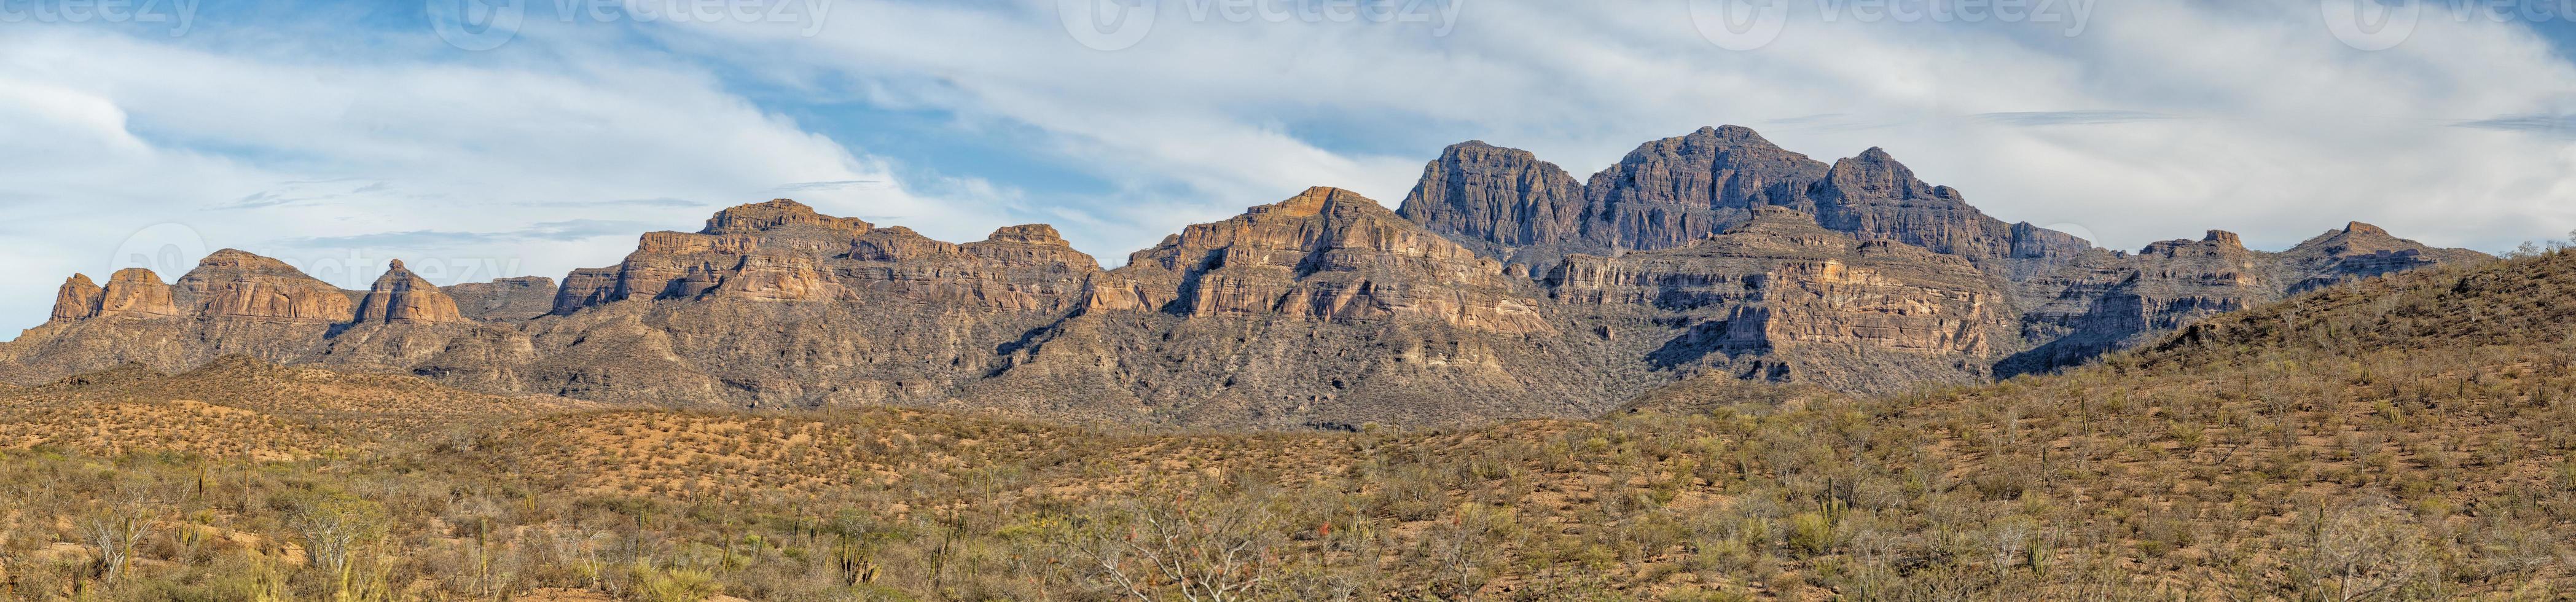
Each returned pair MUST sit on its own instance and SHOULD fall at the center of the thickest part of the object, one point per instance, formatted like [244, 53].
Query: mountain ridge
[1323, 310]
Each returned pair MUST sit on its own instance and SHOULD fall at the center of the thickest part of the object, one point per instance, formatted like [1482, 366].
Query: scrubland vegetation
[2406, 439]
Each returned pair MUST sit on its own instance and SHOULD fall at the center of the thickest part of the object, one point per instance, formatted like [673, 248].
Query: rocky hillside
[1500, 289]
[2405, 438]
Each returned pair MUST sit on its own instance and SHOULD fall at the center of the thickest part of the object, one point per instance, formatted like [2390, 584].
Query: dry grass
[2299, 452]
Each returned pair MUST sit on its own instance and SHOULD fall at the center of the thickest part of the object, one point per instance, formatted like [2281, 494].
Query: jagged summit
[1506, 204]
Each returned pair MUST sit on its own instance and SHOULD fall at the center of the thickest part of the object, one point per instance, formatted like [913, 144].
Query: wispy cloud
[833, 185]
[657, 202]
[2549, 125]
[1835, 122]
[561, 231]
[2047, 118]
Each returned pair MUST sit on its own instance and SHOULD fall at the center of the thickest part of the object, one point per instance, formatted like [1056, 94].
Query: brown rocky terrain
[2400, 438]
[1502, 288]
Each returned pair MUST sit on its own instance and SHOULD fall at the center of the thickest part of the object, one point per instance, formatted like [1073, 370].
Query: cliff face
[1499, 201]
[1782, 299]
[1670, 192]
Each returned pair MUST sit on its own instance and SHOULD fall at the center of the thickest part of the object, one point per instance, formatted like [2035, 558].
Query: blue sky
[341, 135]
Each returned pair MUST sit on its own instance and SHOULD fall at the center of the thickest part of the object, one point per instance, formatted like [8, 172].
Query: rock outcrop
[137, 293]
[77, 300]
[401, 296]
[236, 285]
[1782, 299]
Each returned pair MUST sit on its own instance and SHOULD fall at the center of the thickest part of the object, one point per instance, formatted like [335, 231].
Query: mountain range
[1500, 288]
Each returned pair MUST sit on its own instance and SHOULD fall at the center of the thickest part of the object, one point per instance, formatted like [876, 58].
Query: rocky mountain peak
[137, 293]
[77, 300]
[1873, 176]
[237, 259]
[1029, 234]
[2362, 250]
[1327, 254]
[401, 296]
[234, 284]
[1736, 136]
[1031, 245]
[1321, 200]
[1498, 201]
[2224, 239]
[777, 213]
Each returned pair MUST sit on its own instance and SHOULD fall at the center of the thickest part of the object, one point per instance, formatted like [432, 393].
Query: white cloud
[2160, 120]
[339, 165]
[2268, 125]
